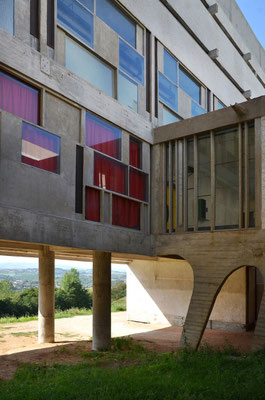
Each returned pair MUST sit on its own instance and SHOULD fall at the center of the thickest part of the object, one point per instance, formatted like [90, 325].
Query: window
[128, 92]
[131, 62]
[40, 148]
[135, 153]
[168, 92]
[117, 20]
[220, 105]
[170, 67]
[204, 183]
[7, 15]
[34, 18]
[110, 174]
[18, 98]
[87, 66]
[102, 136]
[125, 212]
[77, 19]
[169, 117]
[92, 204]
[189, 85]
[50, 23]
[138, 184]
[196, 109]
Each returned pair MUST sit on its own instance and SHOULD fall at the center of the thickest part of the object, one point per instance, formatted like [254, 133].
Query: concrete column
[101, 300]
[46, 296]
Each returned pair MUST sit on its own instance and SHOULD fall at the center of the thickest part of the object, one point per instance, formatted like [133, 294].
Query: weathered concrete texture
[46, 296]
[101, 300]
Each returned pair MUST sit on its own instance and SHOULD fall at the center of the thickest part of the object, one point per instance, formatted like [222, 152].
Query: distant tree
[118, 291]
[27, 300]
[6, 289]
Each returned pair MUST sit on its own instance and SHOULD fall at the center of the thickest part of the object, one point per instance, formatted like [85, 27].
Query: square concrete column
[46, 296]
[101, 300]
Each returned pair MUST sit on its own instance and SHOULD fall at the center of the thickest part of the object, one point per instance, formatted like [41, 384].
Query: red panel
[49, 164]
[135, 153]
[138, 182]
[18, 98]
[92, 204]
[125, 212]
[110, 174]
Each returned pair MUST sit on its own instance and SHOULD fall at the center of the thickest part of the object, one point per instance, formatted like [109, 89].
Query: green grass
[72, 312]
[118, 305]
[129, 372]
[26, 334]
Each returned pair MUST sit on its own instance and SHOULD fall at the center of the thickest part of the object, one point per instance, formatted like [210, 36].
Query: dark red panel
[50, 164]
[135, 153]
[138, 184]
[125, 212]
[92, 204]
[110, 174]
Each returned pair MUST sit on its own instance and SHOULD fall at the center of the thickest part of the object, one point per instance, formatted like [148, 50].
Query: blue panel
[131, 62]
[170, 67]
[7, 15]
[220, 105]
[196, 110]
[168, 93]
[88, 4]
[84, 64]
[77, 19]
[117, 20]
[128, 92]
[169, 117]
[189, 85]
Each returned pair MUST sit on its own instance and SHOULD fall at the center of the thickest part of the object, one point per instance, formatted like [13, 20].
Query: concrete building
[118, 140]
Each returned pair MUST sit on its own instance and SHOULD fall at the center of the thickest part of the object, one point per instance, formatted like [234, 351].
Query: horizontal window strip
[125, 212]
[110, 174]
[131, 62]
[168, 93]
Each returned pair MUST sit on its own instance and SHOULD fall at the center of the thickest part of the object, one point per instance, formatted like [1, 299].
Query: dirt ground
[19, 342]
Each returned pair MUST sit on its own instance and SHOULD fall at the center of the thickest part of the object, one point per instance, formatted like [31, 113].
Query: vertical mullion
[176, 186]
[170, 187]
[185, 182]
[164, 191]
[246, 177]
[212, 182]
[240, 176]
[195, 191]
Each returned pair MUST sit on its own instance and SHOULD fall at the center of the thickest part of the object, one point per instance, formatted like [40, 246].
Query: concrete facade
[43, 210]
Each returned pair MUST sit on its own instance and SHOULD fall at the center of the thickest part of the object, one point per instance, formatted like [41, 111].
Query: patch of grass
[26, 334]
[72, 312]
[62, 350]
[118, 305]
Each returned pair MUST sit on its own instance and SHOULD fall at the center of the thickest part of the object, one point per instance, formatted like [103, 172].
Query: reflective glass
[204, 183]
[88, 4]
[169, 117]
[189, 85]
[170, 67]
[125, 212]
[196, 110]
[77, 19]
[92, 204]
[102, 136]
[168, 93]
[110, 174]
[88, 67]
[131, 62]
[251, 174]
[40, 148]
[190, 183]
[7, 15]
[220, 105]
[138, 184]
[117, 20]
[135, 153]
[128, 92]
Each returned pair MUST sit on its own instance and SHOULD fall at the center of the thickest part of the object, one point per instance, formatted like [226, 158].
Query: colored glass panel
[88, 4]
[131, 62]
[125, 212]
[189, 85]
[128, 92]
[220, 105]
[196, 110]
[135, 153]
[102, 136]
[88, 67]
[92, 204]
[170, 67]
[77, 19]
[169, 117]
[40, 148]
[7, 16]
[117, 20]
[168, 93]
[138, 185]
[110, 174]
[18, 98]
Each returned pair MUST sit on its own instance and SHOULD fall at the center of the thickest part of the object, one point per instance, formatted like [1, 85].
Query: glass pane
[18, 98]
[131, 62]
[92, 204]
[125, 212]
[204, 183]
[102, 136]
[135, 153]
[117, 20]
[170, 67]
[88, 4]
[196, 110]
[169, 117]
[40, 148]
[220, 105]
[128, 92]
[110, 174]
[168, 93]
[7, 15]
[189, 85]
[77, 19]
[88, 67]
[190, 183]
[251, 173]
[227, 177]
[138, 185]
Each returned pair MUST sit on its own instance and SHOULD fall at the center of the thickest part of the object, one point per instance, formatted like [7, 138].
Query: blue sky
[254, 11]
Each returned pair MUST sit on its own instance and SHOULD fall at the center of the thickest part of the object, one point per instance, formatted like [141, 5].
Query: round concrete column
[101, 300]
[46, 296]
